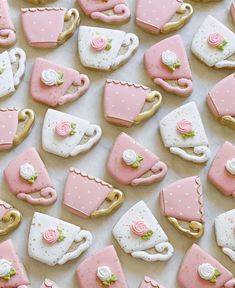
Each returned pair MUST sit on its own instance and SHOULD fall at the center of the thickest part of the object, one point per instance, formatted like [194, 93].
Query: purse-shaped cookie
[126, 103]
[214, 44]
[48, 284]
[84, 195]
[101, 269]
[27, 175]
[149, 283]
[44, 27]
[10, 132]
[224, 230]
[7, 29]
[101, 48]
[112, 11]
[51, 83]
[177, 202]
[201, 270]
[159, 16]
[51, 240]
[138, 231]
[167, 65]
[182, 129]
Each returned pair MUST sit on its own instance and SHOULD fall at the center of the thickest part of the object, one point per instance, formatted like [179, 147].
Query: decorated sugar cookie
[182, 129]
[51, 240]
[66, 135]
[201, 270]
[149, 283]
[114, 11]
[7, 29]
[101, 269]
[233, 11]
[49, 284]
[225, 230]
[26, 175]
[10, 132]
[167, 65]
[138, 231]
[214, 44]
[222, 170]
[125, 103]
[50, 83]
[12, 272]
[157, 16]
[129, 161]
[46, 27]
[182, 202]
[101, 48]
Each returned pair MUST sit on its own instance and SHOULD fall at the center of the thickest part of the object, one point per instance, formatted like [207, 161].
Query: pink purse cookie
[112, 11]
[129, 161]
[48, 284]
[201, 270]
[84, 195]
[182, 201]
[7, 29]
[149, 283]
[50, 83]
[124, 102]
[44, 27]
[167, 65]
[26, 175]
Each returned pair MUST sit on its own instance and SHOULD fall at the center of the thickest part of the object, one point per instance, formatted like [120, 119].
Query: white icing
[27, 171]
[104, 273]
[129, 157]
[206, 271]
[5, 267]
[50, 77]
[230, 166]
[169, 58]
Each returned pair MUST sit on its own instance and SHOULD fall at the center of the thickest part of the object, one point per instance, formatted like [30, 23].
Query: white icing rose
[50, 77]
[230, 166]
[27, 171]
[169, 58]
[206, 271]
[5, 267]
[104, 273]
[129, 156]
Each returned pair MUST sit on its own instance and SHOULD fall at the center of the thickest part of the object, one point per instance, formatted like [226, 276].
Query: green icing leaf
[111, 281]
[148, 235]
[137, 162]
[2, 70]
[33, 178]
[222, 45]
[174, 66]
[9, 275]
[189, 135]
[61, 235]
[60, 79]
[73, 127]
[108, 47]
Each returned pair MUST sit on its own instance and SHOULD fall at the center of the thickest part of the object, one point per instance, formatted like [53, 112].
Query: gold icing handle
[10, 220]
[228, 121]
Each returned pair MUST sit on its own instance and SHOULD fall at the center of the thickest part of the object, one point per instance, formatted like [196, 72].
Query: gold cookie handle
[116, 198]
[228, 121]
[65, 35]
[10, 220]
[186, 10]
[195, 230]
[151, 97]
[28, 116]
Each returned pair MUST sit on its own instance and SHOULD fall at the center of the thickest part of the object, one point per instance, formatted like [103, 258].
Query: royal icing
[230, 166]
[65, 128]
[100, 43]
[216, 40]
[28, 173]
[140, 229]
[171, 60]
[6, 270]
[106, 276]
[51, 77]
[208, 272]
[185, 128]
[51, 236]
[131, 158]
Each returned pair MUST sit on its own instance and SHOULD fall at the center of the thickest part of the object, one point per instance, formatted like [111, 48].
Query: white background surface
[90, 107]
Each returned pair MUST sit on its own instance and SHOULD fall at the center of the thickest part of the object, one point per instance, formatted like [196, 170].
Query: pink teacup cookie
[125, 103]
[12, 272]
[7, 29]
[48, 284]
[84, 195]
[102, 269]
[167, 65]
[27, 175]
[129, 161]
[201, 270]
[111, 11]
[183, 201]
[157, 16]
[149, 283]
[50, 83]
[45, 27]
[222, 170]
[233, 11]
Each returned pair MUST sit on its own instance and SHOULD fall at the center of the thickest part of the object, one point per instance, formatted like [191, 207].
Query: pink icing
[215, 39]
[184, 126]
[63, 128]
[139, 228]
[51, 236]
[49, 284]
[185, 86]
[90, 6]
[99, 43]
[121, 13]
[7, 29]
[4, 208]
[149, 283]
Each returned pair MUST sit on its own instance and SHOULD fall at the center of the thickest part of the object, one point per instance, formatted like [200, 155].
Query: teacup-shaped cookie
[10, 218]
[167, 65]
[178, 204]
[129, 161]
[182, 129]
[150, 15]
[112, 11]
[233, 11]
[45, 27]
[149, 283]
[225, 230]
[51, 240]
[12, 68]
[138, 231]
[7, 29]
[101, 48]
[126, 103]
[10, 119]
[26, 175]
[66, 135]
[50, 83]
[84, 195]
[214, 44]
[48, 284]
[201, 270]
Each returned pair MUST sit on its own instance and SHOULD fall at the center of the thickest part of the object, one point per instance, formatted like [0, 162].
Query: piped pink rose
[51, 236]
[185, 128]
[216, 40]
[140, 229]
[100, 43]
[65, 128]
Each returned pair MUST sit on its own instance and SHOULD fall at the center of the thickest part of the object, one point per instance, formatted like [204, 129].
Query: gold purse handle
[147, 114]
[116, 198]
[65, 35]
[27, 115]
[187, 11]
[228, 121]
[195, 230]
[15, 217]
